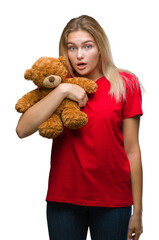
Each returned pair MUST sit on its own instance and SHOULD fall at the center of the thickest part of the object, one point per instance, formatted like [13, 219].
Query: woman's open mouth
[81, 65]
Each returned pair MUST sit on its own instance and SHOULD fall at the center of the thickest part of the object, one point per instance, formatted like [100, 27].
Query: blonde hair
[107, 66]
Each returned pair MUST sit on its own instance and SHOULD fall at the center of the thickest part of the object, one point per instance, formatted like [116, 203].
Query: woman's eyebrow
[88, 41]
[82, 42]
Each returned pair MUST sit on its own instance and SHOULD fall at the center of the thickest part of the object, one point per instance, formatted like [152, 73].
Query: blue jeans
[70, 222]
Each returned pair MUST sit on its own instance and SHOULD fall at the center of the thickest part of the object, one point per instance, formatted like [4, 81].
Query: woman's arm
[42, 110]
[130, 130]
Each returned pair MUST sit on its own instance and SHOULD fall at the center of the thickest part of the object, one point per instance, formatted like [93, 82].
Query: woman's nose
[80, 54]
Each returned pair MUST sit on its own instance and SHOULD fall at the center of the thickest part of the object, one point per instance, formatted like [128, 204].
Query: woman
[96, 171]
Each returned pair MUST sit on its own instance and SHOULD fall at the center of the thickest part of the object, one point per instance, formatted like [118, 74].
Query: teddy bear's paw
[50, 130]
[74, 119]
[90, 87]
[49, 133]
[22, 108]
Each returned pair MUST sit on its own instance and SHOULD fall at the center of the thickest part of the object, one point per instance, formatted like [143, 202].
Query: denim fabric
[71, 222]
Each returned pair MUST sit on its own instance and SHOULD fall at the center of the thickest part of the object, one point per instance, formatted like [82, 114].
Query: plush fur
[47, 73]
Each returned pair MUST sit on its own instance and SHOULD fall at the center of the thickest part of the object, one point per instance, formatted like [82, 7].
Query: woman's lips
[81, 65]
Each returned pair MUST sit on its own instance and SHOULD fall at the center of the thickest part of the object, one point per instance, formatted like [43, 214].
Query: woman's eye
[72, 48]
[88, 46]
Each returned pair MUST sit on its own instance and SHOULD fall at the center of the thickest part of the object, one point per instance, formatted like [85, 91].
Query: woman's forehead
[80, 36]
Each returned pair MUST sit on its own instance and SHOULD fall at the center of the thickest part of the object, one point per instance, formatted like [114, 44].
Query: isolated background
[31, 29]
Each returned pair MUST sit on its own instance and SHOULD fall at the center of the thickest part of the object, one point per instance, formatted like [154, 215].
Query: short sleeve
[132, 106]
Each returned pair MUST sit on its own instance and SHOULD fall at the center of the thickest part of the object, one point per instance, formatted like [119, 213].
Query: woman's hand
[74, 92]
[135, 227]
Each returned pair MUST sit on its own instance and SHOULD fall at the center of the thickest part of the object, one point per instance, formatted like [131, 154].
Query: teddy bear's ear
[28, 74]
[63, 61]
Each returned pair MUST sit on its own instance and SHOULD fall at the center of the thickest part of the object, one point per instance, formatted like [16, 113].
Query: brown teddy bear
[47, 73]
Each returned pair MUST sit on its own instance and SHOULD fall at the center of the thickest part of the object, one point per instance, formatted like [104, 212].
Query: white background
[31, 29]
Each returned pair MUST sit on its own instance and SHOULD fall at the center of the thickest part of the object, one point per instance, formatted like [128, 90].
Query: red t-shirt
[89, 166]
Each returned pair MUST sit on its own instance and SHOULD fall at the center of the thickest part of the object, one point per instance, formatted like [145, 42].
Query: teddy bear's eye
[45, 75]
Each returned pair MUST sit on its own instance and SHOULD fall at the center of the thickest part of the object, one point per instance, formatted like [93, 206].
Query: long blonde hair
[107, 66]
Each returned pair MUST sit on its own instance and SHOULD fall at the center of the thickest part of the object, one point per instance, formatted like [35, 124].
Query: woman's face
[83, 54]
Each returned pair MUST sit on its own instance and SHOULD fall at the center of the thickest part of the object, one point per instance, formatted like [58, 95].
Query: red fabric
[89, 166]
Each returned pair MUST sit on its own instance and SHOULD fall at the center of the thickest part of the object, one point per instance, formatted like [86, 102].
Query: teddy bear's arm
[89, 85]
[28, 100]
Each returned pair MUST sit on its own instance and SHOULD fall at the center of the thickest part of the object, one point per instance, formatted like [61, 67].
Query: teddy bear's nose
[51, 79]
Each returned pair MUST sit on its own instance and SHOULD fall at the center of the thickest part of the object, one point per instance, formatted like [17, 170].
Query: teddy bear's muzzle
[52, 81]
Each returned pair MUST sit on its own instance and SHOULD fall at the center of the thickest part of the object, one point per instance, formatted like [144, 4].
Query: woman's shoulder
[129, 78]
[127, 75]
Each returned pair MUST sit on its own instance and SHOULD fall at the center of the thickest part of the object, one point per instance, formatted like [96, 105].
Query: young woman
[96, 171]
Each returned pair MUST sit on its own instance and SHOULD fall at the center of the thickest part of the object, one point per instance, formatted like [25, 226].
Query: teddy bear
[47, 73]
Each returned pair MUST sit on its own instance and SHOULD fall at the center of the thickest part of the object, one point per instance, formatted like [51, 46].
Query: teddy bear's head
[47, 72]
